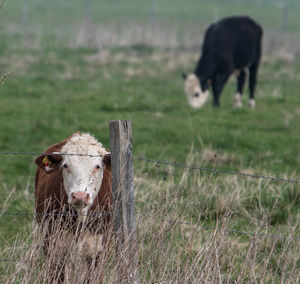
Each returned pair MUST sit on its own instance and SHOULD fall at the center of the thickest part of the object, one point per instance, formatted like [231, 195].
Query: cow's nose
[80, 198]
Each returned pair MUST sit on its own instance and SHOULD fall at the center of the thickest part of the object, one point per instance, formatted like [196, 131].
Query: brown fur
[50, 197]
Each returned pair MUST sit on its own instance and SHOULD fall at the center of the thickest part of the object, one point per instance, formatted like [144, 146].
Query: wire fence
[216, 170]
[204, 227]
[234, 231]
[64, 214]
[49, 154]
[164, 163]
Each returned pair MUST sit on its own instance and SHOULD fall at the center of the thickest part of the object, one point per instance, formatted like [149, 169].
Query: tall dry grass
[185, 235]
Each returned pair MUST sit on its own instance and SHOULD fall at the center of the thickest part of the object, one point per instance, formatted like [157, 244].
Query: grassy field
[75, 67]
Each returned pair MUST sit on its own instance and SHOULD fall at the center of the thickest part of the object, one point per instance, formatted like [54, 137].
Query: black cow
[232, 44]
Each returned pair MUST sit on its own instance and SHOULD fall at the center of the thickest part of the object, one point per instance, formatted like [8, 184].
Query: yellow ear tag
[208, 81]
[46, 161]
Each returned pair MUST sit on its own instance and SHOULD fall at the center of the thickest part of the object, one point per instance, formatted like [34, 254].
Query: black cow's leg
[241, 81]
[252, 79]
[253, 75]
[218, 85]
[240, 86]
[252, 82]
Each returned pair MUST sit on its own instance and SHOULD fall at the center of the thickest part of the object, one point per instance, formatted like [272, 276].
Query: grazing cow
[73, 199]
[230, 45]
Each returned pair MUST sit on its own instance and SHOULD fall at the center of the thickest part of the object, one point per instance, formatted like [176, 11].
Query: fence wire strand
[49, 154]
[234, 231]
[67, 214]
[215, 170]
[165, 163]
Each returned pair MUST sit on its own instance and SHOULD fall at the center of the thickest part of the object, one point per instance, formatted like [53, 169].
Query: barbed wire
[165, 163]
[49, 154]
[67, 214]
[235, 231]
[215, 170]
[210, 228]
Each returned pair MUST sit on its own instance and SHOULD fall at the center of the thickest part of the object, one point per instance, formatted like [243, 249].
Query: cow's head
[197, 94]
[82, 171]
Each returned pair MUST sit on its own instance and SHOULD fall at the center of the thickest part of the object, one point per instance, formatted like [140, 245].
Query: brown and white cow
[73, 200]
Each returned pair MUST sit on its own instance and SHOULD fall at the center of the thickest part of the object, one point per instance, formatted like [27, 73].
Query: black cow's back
[233, 43]
[234, 36]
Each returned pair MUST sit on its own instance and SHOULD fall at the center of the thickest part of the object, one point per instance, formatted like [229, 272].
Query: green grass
[56, 87]
[50, 99]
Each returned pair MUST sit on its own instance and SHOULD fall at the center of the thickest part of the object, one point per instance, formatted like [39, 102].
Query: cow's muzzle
[80, 198]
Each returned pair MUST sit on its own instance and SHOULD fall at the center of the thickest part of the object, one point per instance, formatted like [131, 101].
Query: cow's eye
[196, 95]
[97, 167]
[65, 166]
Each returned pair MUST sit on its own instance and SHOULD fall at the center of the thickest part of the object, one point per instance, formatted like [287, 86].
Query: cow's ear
[49, 162]
[184, 76]
[107, 161]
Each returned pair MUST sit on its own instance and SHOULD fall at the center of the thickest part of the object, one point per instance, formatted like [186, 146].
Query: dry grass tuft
[218, 158]
[185, 235]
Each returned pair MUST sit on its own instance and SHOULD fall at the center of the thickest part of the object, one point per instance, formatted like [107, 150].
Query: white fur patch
[251, 103]
[81, 173]
[238, 100]
[193, 91]
[81, 142]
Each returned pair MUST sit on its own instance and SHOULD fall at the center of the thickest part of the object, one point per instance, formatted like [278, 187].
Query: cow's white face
[193, 91]
[82, 175]
[82, 178]
[82, 171]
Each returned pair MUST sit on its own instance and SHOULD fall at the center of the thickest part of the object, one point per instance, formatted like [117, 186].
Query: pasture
[77, 66]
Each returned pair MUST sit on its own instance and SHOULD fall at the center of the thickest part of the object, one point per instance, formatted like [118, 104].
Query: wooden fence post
[123, 191]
